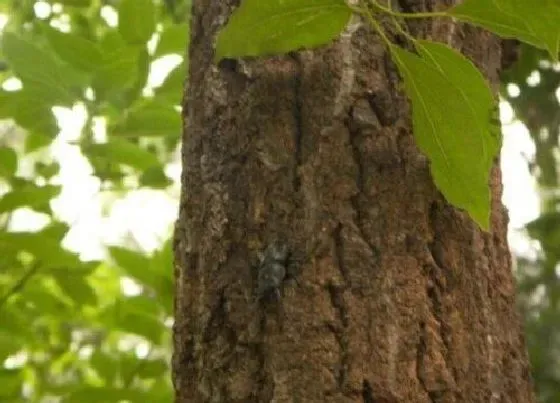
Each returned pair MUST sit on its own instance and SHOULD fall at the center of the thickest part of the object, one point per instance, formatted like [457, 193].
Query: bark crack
[354, 138]
[298, 119]
[367, 392]
[337, 301]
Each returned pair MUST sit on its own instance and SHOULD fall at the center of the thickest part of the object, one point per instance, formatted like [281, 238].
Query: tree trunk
[399, 296]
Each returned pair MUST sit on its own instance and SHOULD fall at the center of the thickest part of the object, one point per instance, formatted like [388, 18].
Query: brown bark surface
[399, 296]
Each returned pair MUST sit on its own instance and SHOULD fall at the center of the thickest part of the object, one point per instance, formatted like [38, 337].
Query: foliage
[451, 102]
[537, 106]
[68, 330]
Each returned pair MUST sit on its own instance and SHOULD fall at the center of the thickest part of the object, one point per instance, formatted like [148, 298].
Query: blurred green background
[89, 169]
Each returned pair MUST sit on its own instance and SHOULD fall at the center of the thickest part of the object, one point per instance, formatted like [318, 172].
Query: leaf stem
[407, 15]
[20, 283]
[367, 13]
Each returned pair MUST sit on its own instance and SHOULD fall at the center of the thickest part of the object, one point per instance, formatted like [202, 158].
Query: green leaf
[8, 162]
[47, 171]
[30, 110]
[75, 3]
[152, 119]
[46, 249]
[546, 229]
[76, 288]
[104, 364]
[144, 270]
[259, 27]
[476, 91]
[118, 71]
[76, 51]
[121, 151]
[149, 369]
[37, 68]
[8, 344]
[533, 22]
[141, 305]
[12, 383]
[152, 329]
[119, 68]
[90, 394]
[134, 264]
[174, 39]
[35, 197]
[155, 177]
[449, 127]
[137, 20]
[171, 88]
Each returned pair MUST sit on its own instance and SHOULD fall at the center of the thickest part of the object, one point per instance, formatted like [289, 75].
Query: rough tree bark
[399, 296]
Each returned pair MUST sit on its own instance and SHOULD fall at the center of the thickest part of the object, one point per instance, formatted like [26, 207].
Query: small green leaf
[121, 151]
[90, 394]
[134, 264]
[533, 22]
[74, 50]
[12, 383]
[30, 196]
[449, 127]
[149, 369]
[104, 364]
[173, 39]
[46, 249]
[171, 88]
[75, 3]
[155, 177]
[260, 27]
[118, 71]
[143, 325]
[151, 119]
[137, 20]
[47, 171]
[76, 288]
[8, 162]
[31, 111]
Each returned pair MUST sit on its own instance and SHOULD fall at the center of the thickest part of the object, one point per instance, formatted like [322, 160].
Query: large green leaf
[90, 394]
[155, 177]
[73, 49]
[146, 272]
[533, 22]
[122, 151]
[12, 383]
[76, 288]
[35, 197]
[137, 20]
[476, 91]
[173, 39]
[38, 69]
[134, 264]
[449, 127]
[8, 162]
[119, 68]
[31, 109]
[152, 119]
[47, 250]
[75, 3]
[171, 88]
[260, 27]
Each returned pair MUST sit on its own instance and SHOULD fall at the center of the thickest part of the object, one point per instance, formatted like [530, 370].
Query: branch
[17, 287]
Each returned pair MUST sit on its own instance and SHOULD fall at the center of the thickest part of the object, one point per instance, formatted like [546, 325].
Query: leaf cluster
[453, 107]
[69, 329]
